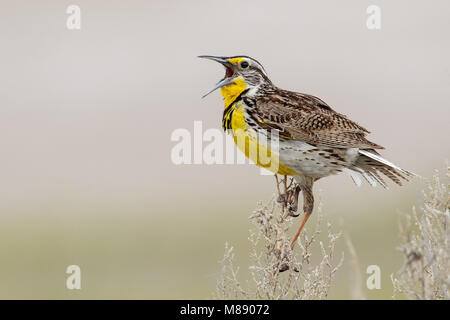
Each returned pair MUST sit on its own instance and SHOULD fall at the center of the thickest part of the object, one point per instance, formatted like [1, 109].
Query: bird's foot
[283, 267]
[284, 263]
[292, 209]
[289, 200]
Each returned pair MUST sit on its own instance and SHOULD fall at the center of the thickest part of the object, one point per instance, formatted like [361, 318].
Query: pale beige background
[86, 118]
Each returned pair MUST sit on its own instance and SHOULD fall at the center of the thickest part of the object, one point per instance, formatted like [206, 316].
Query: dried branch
[270, 252]
[425, 246]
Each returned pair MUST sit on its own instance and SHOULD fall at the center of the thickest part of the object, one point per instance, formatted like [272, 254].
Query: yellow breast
[247, 141]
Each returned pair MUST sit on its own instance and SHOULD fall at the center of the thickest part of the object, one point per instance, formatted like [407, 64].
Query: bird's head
[241, 73]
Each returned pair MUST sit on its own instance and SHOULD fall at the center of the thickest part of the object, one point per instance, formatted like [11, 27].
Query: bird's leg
[292, 204]
[288, 199]
[308, 205]
[281, 196]
[303, 184]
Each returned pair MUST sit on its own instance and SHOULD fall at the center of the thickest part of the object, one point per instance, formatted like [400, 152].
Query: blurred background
[86, 117]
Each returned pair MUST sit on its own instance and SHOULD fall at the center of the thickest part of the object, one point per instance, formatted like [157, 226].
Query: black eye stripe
[244, 64]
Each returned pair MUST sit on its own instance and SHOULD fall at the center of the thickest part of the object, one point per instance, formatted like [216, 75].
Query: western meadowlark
[314, 140]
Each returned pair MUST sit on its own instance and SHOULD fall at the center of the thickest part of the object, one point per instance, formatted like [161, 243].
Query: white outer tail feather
[370, 178]
[356, 179]
[384, 161]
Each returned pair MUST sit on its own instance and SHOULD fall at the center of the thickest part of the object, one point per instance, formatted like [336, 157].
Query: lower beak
[227, 79]
[220, 84]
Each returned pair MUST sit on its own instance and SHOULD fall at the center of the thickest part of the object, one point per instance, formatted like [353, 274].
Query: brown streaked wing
[309, 119]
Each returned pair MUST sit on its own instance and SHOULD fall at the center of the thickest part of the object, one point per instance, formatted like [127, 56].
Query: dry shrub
[424, 240]
[270, 252]
[424, 244]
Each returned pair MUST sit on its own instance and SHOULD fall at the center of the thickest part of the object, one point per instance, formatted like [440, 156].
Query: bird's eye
[244, 64]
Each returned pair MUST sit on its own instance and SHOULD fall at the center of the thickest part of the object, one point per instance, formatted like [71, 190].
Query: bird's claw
[292, 209]
[289, 201]
[283, 267]
[284, 261]
[293, 214]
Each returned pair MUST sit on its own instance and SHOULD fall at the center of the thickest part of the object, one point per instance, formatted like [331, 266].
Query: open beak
[229, 72]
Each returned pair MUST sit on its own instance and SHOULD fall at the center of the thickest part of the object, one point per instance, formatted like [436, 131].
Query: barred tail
[371, 166]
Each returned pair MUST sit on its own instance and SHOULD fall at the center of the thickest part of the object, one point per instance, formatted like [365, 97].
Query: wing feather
[309, 119]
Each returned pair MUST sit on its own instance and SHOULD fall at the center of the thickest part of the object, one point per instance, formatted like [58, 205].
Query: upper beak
[222, 60]
[227, 79]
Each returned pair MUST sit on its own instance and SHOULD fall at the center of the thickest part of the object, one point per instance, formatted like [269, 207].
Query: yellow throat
[246, 141]
[232, 91]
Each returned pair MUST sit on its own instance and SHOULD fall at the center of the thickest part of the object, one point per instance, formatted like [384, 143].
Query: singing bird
[314, 141]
